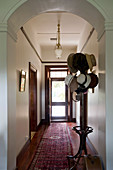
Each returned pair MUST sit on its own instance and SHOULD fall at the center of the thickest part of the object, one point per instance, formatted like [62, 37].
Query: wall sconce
[22, 81]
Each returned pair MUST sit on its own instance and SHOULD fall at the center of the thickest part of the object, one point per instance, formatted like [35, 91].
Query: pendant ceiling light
[58, 48]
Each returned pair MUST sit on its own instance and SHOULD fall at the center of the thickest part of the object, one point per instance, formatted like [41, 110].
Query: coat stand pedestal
[82, 131]
[82, 147]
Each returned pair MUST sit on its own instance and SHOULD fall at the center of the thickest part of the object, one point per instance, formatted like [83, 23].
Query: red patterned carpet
[55, 145]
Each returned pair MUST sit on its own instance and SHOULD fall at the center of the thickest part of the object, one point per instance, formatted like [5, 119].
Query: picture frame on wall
[22, 81]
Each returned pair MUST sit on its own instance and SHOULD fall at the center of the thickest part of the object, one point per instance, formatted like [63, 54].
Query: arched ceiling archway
[81, 8]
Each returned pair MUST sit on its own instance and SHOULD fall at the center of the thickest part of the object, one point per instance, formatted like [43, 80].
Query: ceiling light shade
[58, 48]
[58, 51]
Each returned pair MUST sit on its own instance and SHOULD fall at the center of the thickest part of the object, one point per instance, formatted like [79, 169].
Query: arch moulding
[29, 9]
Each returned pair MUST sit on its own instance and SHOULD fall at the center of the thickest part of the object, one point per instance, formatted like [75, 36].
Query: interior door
[58, 99]
[33, 99]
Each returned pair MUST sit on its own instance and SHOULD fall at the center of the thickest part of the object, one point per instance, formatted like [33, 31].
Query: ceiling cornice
[28, 39]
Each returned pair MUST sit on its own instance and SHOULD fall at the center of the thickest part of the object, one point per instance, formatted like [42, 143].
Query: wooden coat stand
[83, 130]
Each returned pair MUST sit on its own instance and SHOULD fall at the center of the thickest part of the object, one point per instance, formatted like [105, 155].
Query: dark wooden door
[59, 99]
[33, 99]
[50, 100]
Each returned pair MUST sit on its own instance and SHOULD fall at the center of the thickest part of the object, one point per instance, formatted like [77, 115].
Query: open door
[32, 100]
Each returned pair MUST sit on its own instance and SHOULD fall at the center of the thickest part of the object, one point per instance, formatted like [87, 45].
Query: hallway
[25, 159]
[29, 34]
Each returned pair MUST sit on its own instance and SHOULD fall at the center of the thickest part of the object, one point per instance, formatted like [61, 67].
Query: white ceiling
[44, 26]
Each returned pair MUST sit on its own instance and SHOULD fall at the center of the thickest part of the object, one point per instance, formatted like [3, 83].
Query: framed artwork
[22, 81]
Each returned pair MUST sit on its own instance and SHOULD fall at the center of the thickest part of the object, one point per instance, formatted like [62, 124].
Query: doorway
[59, 99]
[32, 100]
[58, 104]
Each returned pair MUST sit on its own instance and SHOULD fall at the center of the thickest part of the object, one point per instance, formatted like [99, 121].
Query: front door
[58, 103]
[59, 99]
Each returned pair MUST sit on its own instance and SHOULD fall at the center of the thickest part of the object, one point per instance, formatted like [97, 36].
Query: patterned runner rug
[55, 145]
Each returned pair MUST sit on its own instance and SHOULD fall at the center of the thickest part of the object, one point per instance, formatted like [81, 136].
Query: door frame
[60, 103]
[69, 103]
[32, 68]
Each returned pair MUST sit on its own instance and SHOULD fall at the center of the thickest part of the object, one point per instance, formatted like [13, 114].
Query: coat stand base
[82, 147]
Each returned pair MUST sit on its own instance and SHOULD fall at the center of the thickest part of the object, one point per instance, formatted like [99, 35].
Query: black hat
[80, 62]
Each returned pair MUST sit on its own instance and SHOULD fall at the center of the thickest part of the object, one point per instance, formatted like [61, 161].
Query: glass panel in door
[58, 111]
[58, 91]
[58, 99]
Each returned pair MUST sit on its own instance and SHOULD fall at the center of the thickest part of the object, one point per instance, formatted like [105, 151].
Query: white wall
[109, 98]
[7, 101]
[3, 101]
[11, 103]
[32, 36]
[96, 100]
[102, 100]
[24, 55]
[84, 36]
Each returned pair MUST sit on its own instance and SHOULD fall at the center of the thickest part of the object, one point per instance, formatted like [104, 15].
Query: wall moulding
[100, 34]
[4, 27]
[109, 25]
[11, 32]
[24, 13]
[100, 7]
[13, 6]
